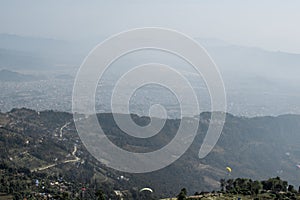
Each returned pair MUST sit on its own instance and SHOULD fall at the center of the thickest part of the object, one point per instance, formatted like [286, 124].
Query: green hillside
[45, 146]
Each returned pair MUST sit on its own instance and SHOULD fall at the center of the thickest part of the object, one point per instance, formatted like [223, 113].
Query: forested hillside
[45, 146]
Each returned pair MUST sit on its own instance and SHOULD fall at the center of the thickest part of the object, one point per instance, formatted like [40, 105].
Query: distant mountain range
[257, 81]
[51, 52]
[256, 148]
[7, 75]
[236, 63]
[249, 63]
[23, 53]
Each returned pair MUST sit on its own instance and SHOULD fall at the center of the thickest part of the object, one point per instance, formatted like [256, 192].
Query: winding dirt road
[53, 165]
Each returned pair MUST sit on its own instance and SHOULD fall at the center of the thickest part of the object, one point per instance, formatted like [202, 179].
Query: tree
[100, 195]
[184, 191]
[182, 194]
[65, 196]
[291, 189]
[229, 185]
[256, 186]
[222, 184]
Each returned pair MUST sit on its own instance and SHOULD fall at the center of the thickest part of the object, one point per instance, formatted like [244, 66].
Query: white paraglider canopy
[146, 189]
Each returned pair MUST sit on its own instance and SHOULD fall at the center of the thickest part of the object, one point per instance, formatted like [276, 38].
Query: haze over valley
[149, 100]
[257, 82]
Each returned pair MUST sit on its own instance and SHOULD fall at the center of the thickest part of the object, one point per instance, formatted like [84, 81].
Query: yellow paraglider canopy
[228, 169]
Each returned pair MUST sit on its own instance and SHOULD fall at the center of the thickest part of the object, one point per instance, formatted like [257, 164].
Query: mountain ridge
[253, 147]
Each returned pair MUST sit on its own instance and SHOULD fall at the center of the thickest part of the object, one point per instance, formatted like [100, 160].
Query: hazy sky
[270, 24]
